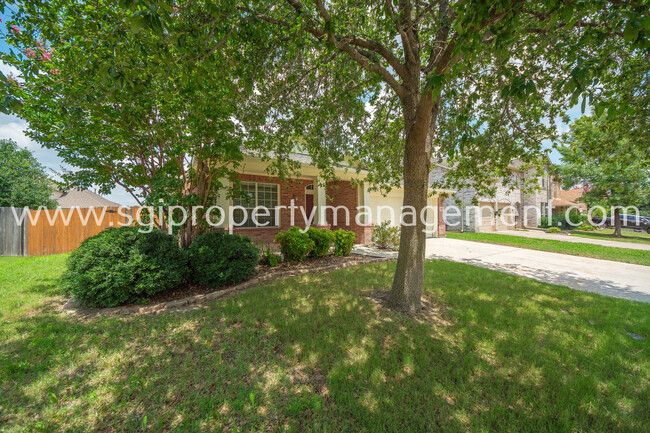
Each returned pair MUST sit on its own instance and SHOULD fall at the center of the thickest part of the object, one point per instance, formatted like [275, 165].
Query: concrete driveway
[619, 280]
[615, 279]
[538, 234]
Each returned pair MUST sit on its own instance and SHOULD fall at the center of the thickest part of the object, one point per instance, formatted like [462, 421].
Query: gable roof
[571, 194]
[81, 198]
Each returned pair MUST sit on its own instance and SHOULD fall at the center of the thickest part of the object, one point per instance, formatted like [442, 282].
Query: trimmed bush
[343, 242]
[563, 222]
[218, 258]
[294, 244]
[546, 222]
[322, 239]
[121, 265]
[553, 230]
[586, 227]
[386, 236]
[270, 258]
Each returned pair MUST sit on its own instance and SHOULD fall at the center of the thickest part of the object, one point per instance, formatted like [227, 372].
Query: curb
[73, 307]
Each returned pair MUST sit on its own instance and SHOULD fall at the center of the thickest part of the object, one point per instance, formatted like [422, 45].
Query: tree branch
[342, 44]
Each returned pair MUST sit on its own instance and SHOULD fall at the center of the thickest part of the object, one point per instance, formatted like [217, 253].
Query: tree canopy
[391, 86]
[474, 84]
[605, 160]
[158, 113]
[23, 181]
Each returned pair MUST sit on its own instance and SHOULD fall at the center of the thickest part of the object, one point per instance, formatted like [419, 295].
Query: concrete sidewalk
[618, 280]
[538, 234]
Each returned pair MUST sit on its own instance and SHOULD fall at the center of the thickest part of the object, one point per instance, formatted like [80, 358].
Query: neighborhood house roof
[571, 194]
[81, 198]
[569, 197]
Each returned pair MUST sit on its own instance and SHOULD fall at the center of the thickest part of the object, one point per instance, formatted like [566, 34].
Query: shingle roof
[572, 194]
[81, 198]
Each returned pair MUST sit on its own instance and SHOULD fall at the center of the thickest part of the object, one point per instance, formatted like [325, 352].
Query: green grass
[495, 352]
[606, 234]
[625, 255]
[25, 281]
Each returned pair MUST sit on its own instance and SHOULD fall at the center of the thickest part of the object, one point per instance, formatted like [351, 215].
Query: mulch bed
[188, 289]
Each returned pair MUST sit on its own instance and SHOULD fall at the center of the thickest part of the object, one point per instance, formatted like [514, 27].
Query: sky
[11, 127]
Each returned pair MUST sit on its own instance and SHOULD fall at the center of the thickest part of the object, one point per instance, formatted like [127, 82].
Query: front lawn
[626, 255]
[606, 235]
[493, 352]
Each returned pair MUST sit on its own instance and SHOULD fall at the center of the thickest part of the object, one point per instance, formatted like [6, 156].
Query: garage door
[388, 208]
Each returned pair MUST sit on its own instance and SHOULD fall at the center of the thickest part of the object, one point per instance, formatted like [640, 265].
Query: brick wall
[442, 227]
[289, 189]
[340, 193]
[343, 193]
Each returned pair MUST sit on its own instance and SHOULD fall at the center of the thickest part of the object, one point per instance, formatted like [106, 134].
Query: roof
[563, 202]
[81, 198]
[571, 194]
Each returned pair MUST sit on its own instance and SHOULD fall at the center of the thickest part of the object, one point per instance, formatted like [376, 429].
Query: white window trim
[278, 214]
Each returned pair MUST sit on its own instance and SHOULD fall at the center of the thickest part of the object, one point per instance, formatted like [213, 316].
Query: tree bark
[617, 222]
[409, 276]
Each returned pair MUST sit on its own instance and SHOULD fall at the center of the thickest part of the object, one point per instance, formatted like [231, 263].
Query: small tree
[158, 113]
[614, 170]
[23, 181]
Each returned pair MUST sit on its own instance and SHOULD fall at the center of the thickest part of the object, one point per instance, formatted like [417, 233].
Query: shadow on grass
[316, 353]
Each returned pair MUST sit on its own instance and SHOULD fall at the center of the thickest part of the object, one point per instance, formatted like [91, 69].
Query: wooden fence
[55, 231]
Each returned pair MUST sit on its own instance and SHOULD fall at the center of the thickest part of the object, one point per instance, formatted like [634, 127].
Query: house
[510, 208]
[346, 203]
[82, 198]
[564, 200]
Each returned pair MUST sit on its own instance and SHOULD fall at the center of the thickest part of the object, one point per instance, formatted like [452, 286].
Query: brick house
[311, 195]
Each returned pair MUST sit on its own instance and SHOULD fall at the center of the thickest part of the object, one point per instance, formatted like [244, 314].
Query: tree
[614, 171]
[158, 113]
[390, 86]
[23, 181]
[479, 83]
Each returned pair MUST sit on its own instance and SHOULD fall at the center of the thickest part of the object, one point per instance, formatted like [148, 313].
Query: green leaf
[631, 33]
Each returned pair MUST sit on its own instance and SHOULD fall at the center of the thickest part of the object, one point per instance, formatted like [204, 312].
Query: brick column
[442, 227]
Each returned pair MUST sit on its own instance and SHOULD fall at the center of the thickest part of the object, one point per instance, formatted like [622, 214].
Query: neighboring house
[81, 198]
[507, 210]
[563, 200]
[308, 191]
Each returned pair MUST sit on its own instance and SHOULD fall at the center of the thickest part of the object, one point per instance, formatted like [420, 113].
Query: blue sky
[14, 128]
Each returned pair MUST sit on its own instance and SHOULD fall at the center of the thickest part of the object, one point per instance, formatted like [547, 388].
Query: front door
[309, 205]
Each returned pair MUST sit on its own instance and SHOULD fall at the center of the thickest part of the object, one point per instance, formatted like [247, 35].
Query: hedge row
[297, 245]
[122, 265]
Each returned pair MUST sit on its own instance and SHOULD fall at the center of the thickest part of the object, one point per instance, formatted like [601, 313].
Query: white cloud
[10, 70]
[14, 128]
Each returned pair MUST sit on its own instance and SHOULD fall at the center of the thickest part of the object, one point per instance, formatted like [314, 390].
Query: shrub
[546, 222]
[121, 265]
[218, 258]
[343, 242]
[323, 239]
[385, 236]
[553, 230]
[586, 227]
[270, 258]
[566, 223]
[294, 244]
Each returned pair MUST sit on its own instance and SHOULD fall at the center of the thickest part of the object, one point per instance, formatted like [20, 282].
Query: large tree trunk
[617, 222]
[407, 284]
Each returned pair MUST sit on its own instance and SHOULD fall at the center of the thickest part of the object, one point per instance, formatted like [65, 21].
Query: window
[252, 195]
